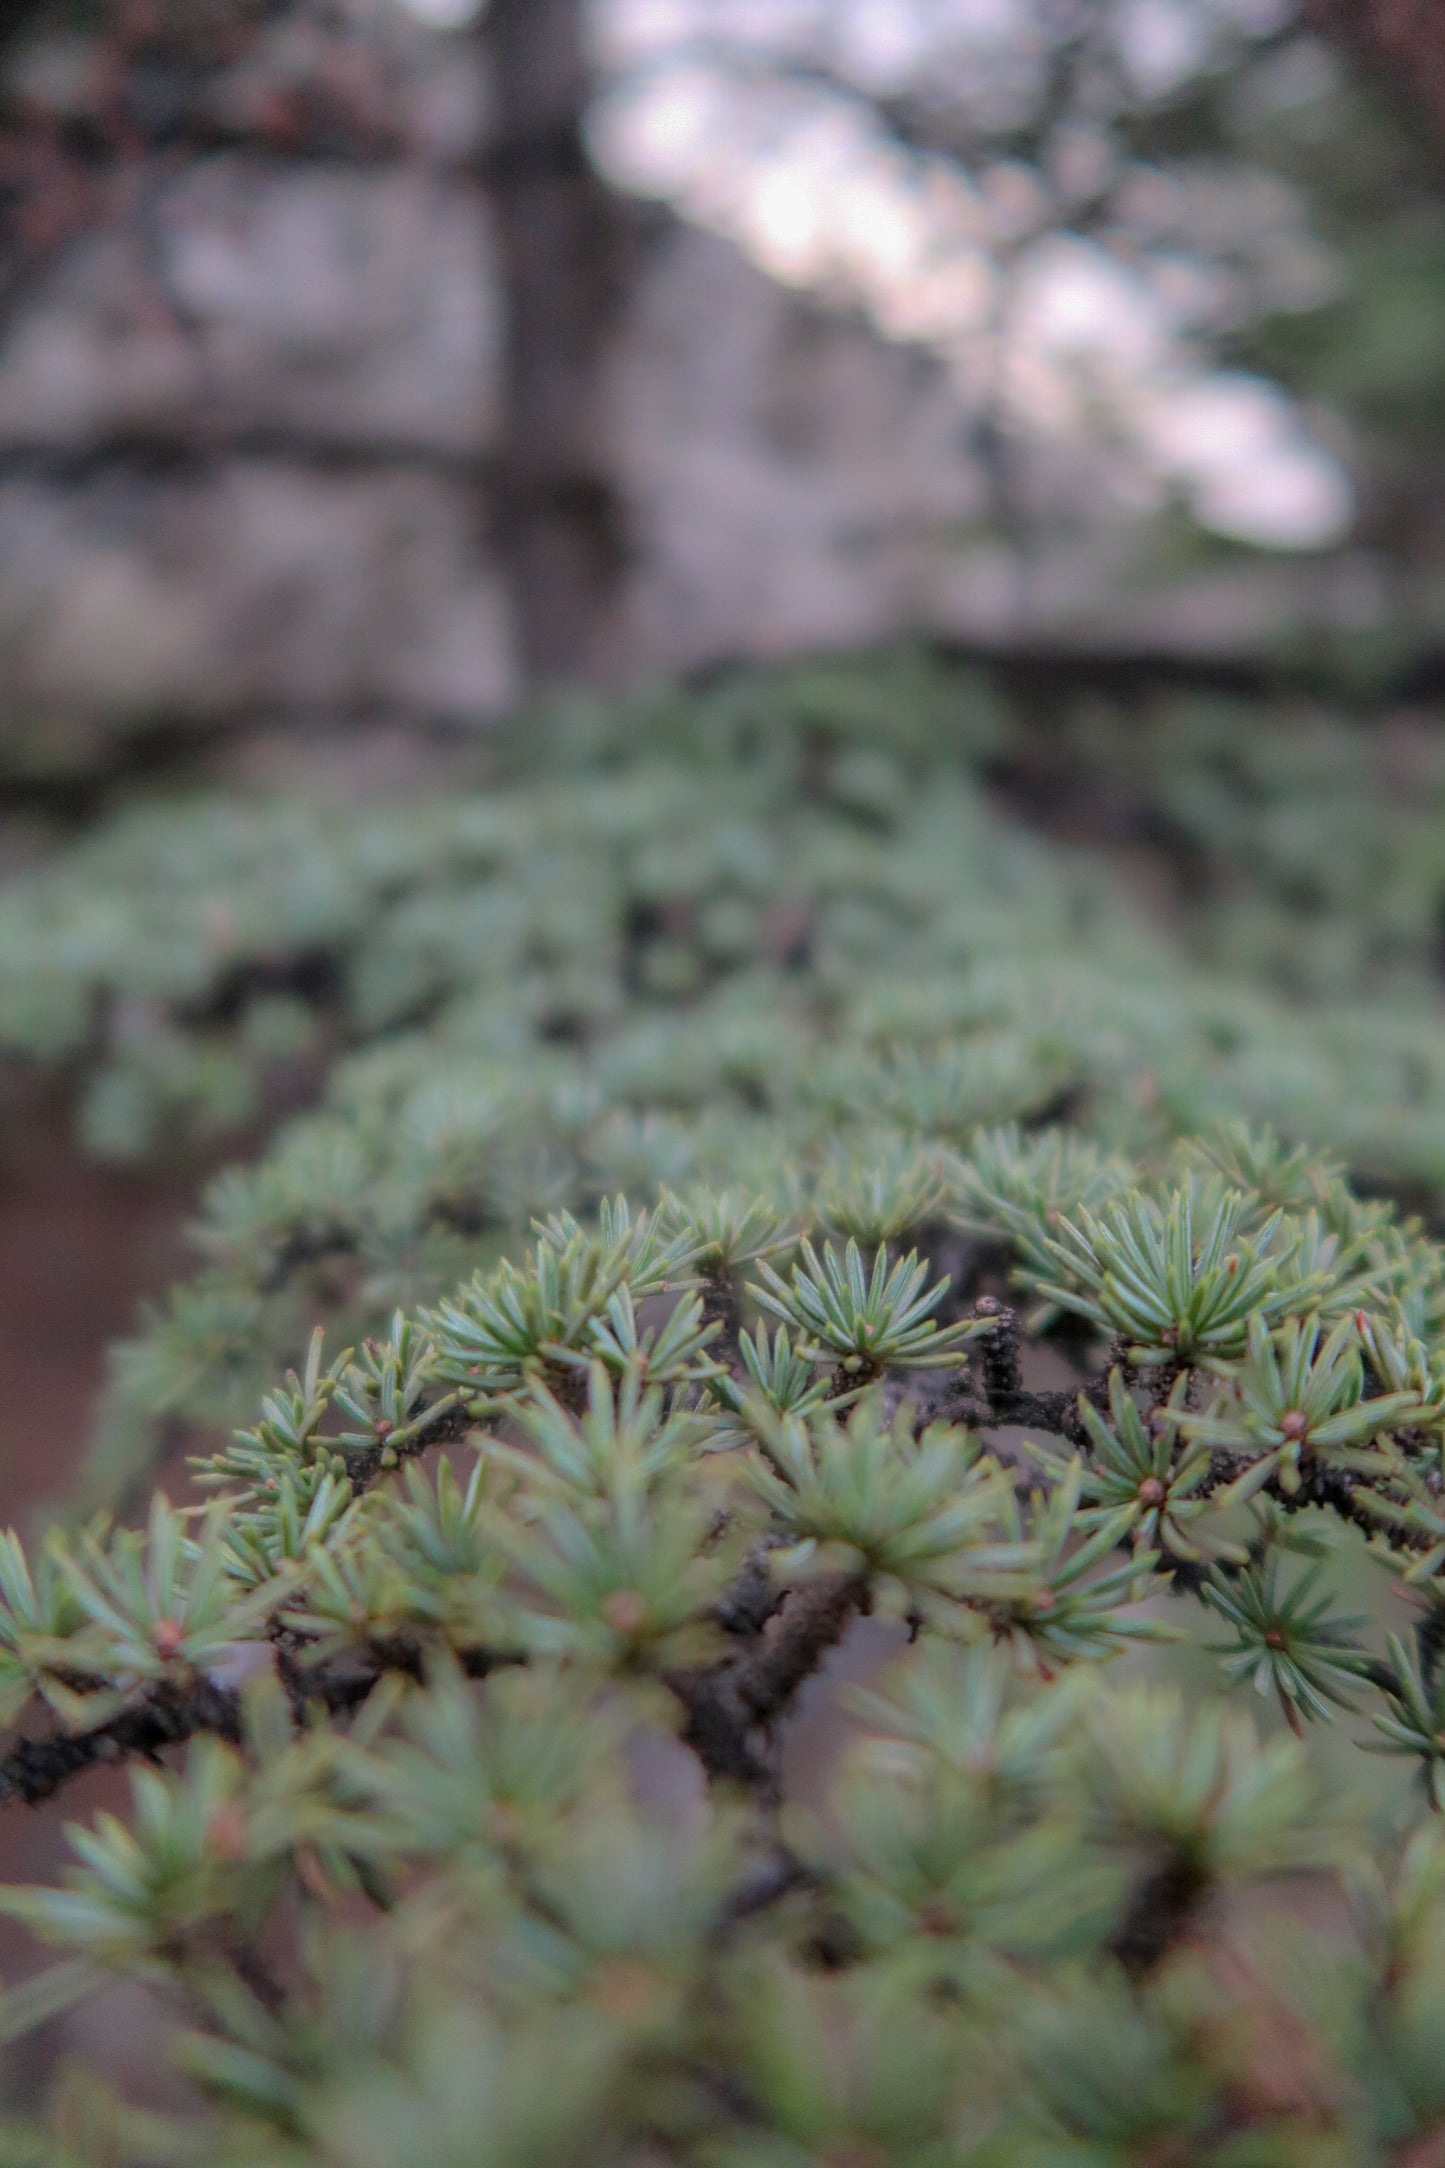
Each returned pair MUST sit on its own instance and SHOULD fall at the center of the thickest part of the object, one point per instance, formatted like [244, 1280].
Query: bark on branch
[562, 237]
[34, 1770]
[733, 1705]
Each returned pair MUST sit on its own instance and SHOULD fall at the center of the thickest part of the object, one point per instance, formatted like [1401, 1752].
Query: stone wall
[247, 423]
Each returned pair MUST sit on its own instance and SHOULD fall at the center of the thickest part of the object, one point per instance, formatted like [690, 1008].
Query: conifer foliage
[772, 934]
[470, 1829]
[766, 1218]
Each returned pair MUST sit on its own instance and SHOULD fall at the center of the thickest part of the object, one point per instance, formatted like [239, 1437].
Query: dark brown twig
[732, 1705]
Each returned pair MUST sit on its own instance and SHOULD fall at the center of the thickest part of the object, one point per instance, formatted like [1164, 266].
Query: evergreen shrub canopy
[767, 934]
[489, 1843]
[956, 1330]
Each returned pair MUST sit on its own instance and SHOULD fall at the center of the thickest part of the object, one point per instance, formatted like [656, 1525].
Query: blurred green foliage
[486, 1843]
[724, 937]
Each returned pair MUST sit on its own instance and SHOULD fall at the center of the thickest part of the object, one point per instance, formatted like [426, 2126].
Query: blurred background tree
[347, 377]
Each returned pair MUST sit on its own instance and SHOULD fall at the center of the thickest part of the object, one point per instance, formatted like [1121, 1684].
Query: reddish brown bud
[167, 1635]
[1152, 1491]
[505, 1822]
[628, 1990]
[936, 1916]
[226, 1832]
[1295, 1425]
[311, 1873]
[625, 1612]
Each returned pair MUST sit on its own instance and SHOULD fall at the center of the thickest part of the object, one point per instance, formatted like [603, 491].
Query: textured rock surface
[249, 418]
[252, 472]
